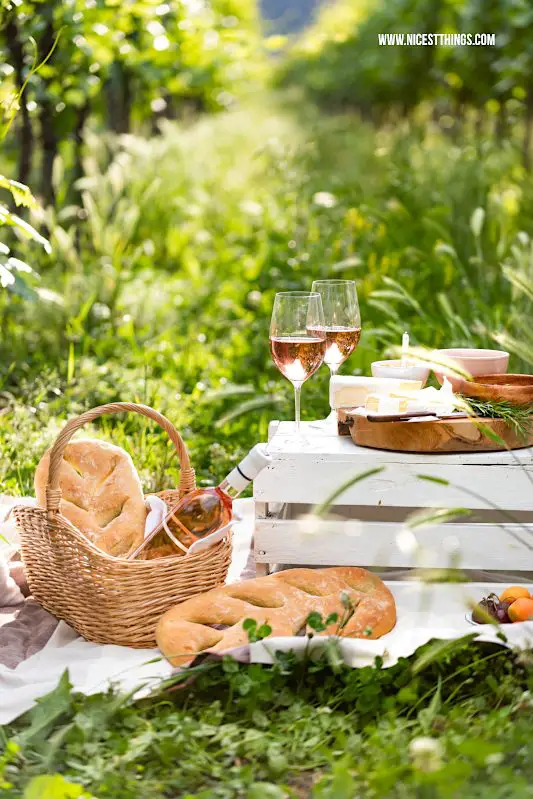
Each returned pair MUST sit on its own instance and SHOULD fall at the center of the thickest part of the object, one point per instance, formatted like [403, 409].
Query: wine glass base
[329, 424]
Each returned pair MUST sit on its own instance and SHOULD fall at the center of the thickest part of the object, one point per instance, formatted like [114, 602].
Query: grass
[160, 286]
[159, 290]
[295, 729]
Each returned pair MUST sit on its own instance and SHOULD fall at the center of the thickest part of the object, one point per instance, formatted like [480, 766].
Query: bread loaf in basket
[105, 598]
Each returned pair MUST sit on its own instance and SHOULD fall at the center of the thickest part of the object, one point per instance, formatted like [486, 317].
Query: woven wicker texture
[107, 599]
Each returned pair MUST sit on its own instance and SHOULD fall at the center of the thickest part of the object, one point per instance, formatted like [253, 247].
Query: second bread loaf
[101, 494]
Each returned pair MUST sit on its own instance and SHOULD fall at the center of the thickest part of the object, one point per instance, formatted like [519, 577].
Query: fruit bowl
[516, 389]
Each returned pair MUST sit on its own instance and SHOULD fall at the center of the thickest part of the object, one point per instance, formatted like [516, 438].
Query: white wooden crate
[368, 526]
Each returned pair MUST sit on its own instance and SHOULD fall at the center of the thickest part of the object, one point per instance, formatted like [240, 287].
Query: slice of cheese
[386, 404]
[349, 392]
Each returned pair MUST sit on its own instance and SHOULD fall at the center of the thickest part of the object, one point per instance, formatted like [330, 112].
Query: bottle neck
[247, 470]
[230, 489]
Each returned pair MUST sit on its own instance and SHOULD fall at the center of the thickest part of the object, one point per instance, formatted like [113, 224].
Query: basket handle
[53, 492]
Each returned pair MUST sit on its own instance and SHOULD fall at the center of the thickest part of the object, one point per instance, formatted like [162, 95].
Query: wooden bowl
[516, 389]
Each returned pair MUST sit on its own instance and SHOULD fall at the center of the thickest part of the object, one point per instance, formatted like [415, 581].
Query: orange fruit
[521, 609]
[514, 592]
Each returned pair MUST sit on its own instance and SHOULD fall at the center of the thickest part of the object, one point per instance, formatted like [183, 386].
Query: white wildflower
[101, 311]
[158, 105]
[426, 753]
[155, 28]
[211, 39]
[250, 207]
[161, 43]
[254, 297]
[325, 199]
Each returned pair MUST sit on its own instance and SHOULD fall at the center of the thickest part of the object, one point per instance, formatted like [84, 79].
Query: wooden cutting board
[440, 435]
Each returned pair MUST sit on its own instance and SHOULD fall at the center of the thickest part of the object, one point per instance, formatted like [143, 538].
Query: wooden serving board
[439, 435]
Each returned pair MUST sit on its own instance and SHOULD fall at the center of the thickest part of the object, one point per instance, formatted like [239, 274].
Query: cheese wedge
[349, 392]
[386, 404]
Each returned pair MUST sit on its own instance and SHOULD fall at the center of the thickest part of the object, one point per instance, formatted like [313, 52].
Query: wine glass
[297, 338]
[342, 323]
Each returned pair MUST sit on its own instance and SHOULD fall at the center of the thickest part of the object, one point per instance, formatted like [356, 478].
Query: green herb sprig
[518, 417]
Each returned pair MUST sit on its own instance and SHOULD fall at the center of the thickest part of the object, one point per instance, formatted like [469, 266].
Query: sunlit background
[189, 159]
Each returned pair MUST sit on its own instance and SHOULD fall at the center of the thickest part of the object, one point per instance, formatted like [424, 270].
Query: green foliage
[442, 723]
[340, 63]
[161, 282]
[117, 66]
[53, 786]
[254, 632]
[167, 252]
[15, 274]
[186, 49]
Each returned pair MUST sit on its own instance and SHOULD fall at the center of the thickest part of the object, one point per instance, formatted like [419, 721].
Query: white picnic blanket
[425, 611]
[92, 667]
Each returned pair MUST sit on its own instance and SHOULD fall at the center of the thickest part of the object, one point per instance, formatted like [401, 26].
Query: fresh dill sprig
[519, 417]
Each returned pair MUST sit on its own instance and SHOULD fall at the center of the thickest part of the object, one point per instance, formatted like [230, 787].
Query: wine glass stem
[297, 390]
[332, 371]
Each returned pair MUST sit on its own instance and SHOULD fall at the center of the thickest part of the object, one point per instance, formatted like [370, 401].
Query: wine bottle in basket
[202, 513]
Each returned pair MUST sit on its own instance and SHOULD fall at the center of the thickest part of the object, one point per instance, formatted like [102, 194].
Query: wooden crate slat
[469, 546]
[284, 445]
[310, 478]
[303, 473]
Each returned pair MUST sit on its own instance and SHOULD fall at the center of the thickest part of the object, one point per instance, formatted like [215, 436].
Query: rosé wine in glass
[296, 352]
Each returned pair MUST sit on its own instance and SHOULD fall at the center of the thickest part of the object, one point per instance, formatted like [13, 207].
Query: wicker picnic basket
[107, 599]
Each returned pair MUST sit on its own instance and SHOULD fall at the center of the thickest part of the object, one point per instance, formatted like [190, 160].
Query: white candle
[405, 347]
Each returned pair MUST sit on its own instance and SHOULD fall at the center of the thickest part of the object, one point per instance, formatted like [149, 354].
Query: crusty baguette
[101, 494]
[283, 601]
